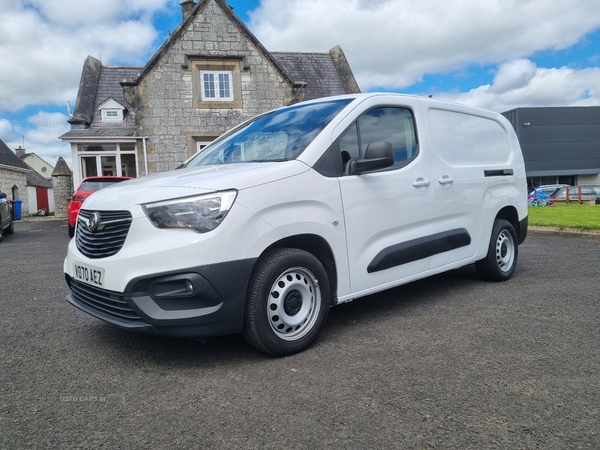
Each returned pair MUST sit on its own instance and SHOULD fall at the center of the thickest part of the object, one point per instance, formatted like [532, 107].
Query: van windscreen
[280, 135]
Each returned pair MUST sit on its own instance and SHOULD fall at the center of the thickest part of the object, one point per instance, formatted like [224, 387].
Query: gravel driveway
[447, 362]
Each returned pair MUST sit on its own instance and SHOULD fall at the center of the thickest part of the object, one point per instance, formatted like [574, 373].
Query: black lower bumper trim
[200, 301]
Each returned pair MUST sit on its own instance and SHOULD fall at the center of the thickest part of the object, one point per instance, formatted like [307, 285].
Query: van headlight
[201, 213]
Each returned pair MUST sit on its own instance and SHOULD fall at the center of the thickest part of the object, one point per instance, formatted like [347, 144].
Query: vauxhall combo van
[300, 209]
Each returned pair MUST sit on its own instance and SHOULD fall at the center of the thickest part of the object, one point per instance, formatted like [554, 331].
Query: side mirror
[379, 155]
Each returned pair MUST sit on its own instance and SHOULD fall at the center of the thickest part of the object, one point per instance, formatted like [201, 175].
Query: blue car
[545, 192]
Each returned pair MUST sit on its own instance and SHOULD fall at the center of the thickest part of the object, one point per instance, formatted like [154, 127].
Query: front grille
[108, 238]
[107, 302]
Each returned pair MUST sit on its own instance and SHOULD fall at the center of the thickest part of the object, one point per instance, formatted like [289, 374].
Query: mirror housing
[379, 155]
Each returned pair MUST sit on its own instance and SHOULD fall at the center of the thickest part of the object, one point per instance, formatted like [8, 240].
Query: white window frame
[112, 115]
[218, 96]
[118, 167]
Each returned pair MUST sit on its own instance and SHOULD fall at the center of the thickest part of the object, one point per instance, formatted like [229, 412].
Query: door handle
[446, 180]
[421, 182]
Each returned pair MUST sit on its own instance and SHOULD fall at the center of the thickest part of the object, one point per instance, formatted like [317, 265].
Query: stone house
[13, 176]
[211, 74]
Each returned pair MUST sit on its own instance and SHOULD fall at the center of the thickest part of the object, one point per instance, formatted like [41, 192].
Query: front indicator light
[201, 213]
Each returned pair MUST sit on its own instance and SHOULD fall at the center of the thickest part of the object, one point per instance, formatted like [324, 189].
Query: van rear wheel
[288, 302]
[503, 252]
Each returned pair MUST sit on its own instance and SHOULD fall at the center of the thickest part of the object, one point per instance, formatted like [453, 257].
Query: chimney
[186, 8]
[20, 152]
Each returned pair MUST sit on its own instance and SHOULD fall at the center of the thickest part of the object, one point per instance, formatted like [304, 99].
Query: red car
[87, 187]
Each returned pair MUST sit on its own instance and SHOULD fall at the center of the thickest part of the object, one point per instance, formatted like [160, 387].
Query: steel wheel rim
[505, 251]
[294, 303]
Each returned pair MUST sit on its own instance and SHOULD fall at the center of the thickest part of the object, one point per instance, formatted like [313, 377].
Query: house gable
[210, 40]
[38, 164]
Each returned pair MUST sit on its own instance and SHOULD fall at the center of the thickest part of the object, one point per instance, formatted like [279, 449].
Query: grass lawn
[561, 215]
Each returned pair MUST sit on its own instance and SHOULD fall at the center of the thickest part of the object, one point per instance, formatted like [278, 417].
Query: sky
[494, 54]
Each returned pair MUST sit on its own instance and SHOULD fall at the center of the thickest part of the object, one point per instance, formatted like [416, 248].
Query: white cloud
[520, 83]
[514, 75]
[43, 44]
[394, 43]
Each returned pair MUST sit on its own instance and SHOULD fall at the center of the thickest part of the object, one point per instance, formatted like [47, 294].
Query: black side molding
[498, 173]
[424, 247]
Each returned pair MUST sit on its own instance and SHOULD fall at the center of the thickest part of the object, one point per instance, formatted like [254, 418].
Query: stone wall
[167, 110]
[62, 183]
[10, 178]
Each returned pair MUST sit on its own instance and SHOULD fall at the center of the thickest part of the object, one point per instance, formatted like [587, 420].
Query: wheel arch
[318, 247]
[510, 214]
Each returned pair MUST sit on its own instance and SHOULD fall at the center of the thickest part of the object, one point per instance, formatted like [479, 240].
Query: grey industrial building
[560, 144]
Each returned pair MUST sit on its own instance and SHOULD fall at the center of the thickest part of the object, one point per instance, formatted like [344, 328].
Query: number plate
[89, 274]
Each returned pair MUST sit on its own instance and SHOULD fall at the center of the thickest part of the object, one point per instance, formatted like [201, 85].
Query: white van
[300, 209]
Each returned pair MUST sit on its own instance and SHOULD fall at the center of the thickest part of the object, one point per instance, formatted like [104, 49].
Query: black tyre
[288, 302]
[1, 235]
[503, 252]
[71, 230]
[11, 228]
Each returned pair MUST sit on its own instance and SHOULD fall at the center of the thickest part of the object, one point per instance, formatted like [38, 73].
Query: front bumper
[201, 301]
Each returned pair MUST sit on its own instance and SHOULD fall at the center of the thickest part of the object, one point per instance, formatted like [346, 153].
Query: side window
[395, 125]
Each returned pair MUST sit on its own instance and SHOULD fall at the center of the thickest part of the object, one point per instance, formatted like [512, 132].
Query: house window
[216, 86]
[201, 144]
[107, 159]
[112, 115]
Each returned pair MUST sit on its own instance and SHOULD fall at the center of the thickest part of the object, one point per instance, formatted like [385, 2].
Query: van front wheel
[503, 251]
[288, 302]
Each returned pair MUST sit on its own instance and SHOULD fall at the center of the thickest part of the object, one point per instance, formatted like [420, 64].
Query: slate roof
[8, 158]
[109, 87]
[101, 132]
[318, 70]
[35, 179]
[99, 83]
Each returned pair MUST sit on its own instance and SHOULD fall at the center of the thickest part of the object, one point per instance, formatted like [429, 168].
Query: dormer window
[112, 115]
[111, 111]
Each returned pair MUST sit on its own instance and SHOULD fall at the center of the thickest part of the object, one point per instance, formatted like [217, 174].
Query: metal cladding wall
[558, 141]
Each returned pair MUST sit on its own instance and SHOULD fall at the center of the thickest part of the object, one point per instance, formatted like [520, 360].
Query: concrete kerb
[565, 231]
